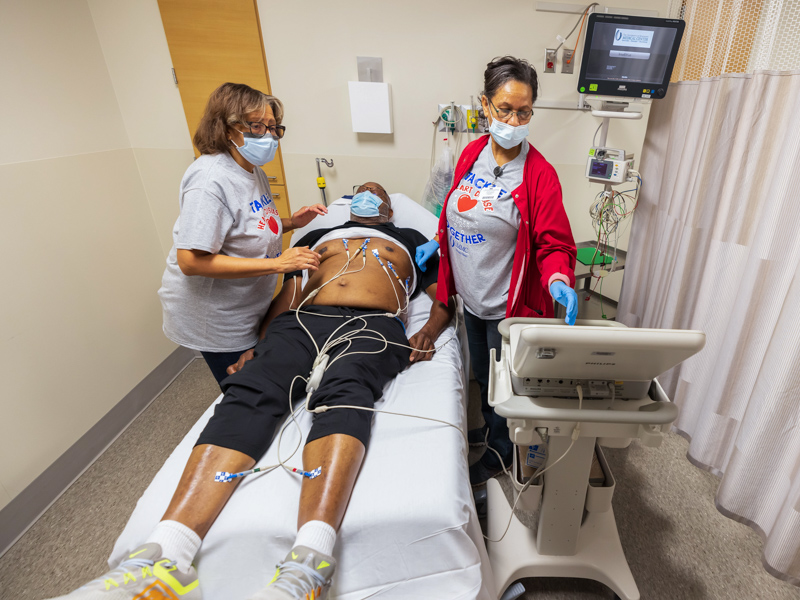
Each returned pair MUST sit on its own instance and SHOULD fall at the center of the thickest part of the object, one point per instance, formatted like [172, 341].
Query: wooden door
[212, 42]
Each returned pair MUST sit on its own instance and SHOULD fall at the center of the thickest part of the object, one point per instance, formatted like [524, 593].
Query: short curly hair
[507, 68]
[227, 106]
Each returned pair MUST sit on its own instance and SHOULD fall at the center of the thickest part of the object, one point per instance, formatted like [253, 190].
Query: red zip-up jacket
[545, 249]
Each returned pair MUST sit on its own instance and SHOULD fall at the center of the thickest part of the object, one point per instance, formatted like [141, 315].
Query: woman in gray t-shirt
[227, 252]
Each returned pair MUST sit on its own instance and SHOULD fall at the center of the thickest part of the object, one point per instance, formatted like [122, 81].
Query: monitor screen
[599, 168]
[629, 56]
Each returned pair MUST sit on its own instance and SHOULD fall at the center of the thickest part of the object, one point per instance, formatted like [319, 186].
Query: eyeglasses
[504, 113]
[259, 130]
[368, 188]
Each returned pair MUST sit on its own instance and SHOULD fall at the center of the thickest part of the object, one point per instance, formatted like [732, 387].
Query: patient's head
[363, 206]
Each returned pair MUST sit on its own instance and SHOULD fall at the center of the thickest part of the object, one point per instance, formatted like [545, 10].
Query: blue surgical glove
[424, 252]
[566, 297]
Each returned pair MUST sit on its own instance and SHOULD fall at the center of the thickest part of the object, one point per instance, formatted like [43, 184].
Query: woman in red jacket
[507, 247]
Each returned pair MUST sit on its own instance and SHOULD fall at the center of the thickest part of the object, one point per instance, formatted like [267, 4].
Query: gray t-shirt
[224, 210]
[482, 228]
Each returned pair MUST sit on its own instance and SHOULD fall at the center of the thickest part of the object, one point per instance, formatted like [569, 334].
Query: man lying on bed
[257, 397]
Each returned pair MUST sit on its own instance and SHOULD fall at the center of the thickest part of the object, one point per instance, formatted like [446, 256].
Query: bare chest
[363, 254]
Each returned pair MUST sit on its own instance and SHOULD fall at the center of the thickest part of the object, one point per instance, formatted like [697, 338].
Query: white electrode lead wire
[539, 472]
[347, 338]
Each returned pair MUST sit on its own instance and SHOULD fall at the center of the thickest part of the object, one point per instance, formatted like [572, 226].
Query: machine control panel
[567, 388]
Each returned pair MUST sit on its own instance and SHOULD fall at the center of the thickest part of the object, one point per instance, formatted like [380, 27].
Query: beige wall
[94, 148]
[432, 52]
[135, 49]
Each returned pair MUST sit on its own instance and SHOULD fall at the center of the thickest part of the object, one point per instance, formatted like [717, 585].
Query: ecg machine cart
[576, 533]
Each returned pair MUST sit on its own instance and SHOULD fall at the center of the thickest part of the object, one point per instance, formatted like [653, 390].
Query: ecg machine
[534, 385]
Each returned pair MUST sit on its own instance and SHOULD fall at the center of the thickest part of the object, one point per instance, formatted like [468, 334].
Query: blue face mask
[258, 151]
[507, 135]
[367, 204]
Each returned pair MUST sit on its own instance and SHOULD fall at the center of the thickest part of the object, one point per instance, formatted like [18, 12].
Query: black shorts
[257, 397]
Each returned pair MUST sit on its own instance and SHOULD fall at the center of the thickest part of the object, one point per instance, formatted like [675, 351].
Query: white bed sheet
[410, 531]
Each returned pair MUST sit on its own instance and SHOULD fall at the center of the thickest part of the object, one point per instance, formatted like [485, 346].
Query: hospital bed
[410, 530]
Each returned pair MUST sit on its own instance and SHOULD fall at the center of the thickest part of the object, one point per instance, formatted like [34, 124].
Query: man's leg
[197, 502]
[325, 498]
[239, 432]
[199, 499]
[337, 443]
[338, 439]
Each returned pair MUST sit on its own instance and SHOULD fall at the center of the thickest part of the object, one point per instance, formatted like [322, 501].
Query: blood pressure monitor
[608, 165]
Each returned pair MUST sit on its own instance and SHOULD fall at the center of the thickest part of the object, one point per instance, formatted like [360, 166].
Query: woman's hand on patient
[421, 341]
[237, 366]
[305, 215]
[298, 259]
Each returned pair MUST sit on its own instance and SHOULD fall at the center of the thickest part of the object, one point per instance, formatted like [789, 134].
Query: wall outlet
[568, 60]
[550, 60]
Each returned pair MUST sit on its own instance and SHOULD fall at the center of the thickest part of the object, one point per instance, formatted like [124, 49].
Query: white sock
[317, 535]
[177, 541]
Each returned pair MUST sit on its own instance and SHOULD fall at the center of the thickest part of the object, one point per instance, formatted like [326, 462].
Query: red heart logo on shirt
[273, 225]
[465, 202]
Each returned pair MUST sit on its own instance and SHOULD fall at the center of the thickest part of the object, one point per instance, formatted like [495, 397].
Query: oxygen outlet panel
[457, 120]
[568, 60]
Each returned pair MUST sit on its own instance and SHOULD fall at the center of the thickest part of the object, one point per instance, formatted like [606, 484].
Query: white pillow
[406, 213]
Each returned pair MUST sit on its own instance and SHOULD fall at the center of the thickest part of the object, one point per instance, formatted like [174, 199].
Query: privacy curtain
[715, 246]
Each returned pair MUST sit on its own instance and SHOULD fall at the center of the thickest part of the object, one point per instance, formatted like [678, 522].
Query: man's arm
[440, 316]
[287, 298]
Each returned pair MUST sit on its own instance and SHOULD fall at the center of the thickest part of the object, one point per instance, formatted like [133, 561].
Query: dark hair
[227, 106]
[508, 68]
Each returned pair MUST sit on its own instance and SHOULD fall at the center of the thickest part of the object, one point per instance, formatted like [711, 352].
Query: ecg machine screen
[635, 53]
[629, 56]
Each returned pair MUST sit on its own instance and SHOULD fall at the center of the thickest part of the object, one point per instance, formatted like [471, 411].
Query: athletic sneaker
[144, 575]
[303, 575]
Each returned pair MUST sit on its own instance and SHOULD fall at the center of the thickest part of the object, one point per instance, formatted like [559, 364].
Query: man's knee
[352, 422]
